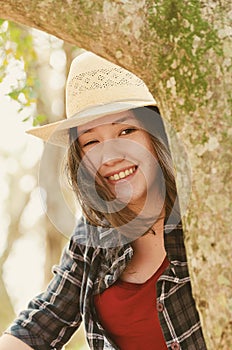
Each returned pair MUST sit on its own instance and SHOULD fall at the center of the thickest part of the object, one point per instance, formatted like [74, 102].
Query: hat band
[133, 102]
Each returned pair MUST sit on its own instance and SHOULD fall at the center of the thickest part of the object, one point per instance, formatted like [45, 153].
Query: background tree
[21, 90]
[182, 49]
[36, 85]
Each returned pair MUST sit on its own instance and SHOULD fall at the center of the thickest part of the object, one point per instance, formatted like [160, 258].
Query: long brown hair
[96, 211]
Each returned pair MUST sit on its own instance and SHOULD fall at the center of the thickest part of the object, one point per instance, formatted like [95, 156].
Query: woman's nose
[111, 152]
[111, 161]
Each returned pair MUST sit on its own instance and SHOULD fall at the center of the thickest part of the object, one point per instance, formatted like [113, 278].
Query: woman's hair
[95, 197]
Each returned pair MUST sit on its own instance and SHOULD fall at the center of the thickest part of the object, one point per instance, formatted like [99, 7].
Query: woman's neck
[149, 253]
[156, 230]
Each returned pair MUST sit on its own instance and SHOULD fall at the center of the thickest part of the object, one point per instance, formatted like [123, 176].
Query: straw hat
[95, 88]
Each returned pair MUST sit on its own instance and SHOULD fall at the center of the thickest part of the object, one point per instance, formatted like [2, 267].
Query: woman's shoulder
[82, 234]
[97, 237]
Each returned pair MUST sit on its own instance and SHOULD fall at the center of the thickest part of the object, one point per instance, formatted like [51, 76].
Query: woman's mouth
[122, 174]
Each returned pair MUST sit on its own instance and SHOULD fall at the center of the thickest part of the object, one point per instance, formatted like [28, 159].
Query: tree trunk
[182, 49]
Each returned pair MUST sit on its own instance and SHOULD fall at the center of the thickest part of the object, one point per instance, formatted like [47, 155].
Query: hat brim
[58, 133]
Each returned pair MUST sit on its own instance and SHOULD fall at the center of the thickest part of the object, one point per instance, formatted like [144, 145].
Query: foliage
[16, 49]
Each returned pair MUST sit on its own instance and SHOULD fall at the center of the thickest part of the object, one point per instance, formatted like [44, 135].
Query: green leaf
[40, 118]
[26, 119]
[14, 94]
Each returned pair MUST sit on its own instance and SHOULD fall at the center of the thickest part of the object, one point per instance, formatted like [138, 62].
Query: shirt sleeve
[53, 316]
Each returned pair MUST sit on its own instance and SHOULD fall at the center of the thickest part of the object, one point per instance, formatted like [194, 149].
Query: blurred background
[33, 69]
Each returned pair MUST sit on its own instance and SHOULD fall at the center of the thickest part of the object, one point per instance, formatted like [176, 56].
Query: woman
[124, 272]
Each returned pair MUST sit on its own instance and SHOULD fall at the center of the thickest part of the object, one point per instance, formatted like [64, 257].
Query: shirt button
[175, 346]
[160, 307]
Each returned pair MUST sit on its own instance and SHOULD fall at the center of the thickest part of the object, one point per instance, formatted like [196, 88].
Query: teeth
[122, 174]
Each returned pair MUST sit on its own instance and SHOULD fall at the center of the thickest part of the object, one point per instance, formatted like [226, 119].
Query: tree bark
[182, 49]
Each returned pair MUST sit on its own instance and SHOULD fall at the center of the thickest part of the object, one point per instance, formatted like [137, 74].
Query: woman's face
[121, 152]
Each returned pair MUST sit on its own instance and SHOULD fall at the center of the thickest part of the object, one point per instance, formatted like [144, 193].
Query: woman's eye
[128, 131]
[89, 143]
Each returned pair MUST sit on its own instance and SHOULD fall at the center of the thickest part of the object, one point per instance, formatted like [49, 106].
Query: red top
[128, 313]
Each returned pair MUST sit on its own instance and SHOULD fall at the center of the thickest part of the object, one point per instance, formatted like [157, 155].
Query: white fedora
[95, 88]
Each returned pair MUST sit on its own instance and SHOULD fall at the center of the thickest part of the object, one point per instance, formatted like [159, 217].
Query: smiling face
[123, 155]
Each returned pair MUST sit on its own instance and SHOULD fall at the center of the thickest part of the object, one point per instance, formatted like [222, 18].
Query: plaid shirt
[87, 268]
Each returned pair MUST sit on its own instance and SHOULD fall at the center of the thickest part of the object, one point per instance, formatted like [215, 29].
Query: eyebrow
[118, 121]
